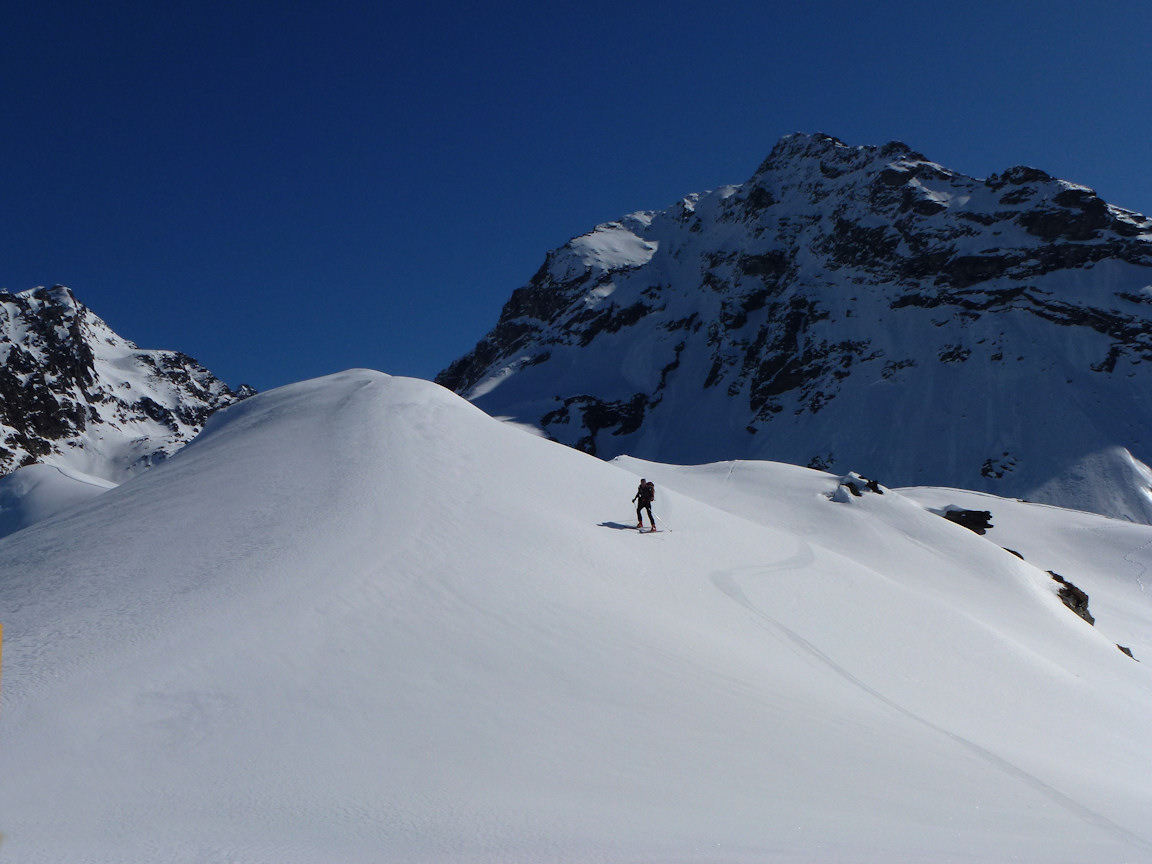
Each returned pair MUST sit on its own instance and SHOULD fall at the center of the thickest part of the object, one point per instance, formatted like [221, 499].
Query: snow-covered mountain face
[76, 396]
[850, 308]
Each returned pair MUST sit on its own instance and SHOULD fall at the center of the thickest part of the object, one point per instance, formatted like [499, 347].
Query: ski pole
[662, 522]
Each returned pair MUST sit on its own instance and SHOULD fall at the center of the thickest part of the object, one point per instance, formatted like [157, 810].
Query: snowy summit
[851, 309]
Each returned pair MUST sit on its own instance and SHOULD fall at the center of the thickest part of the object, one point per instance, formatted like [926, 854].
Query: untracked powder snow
[358, 620]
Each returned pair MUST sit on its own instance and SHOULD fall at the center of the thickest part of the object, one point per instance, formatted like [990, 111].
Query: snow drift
[359, 620]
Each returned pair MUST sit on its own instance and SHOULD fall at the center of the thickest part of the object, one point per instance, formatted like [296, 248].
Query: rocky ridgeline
[74, 394]
[846, 307]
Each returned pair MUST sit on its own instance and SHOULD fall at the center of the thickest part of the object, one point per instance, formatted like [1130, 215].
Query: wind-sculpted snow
[854, 308]
[359, 620]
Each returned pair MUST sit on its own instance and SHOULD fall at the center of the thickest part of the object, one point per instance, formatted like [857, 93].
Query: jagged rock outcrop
[1073, 597]
[849, 306]
[76, 395]
[976, 521]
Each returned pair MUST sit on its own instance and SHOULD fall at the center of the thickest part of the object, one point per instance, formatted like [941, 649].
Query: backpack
[650, 491]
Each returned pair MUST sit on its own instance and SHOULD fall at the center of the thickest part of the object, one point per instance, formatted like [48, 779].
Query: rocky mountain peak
[848, 307]
[802, 152]
[75, 394]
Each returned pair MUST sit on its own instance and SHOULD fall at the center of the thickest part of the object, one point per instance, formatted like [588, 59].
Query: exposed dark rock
[620, 417]
[1073, 597]
[53, 389]
[611, 319]
[758, 199]
[996, 468]
[1081, 216]
[974, 520]
[770, 266]
[954, 354]
[854, 245]
[1018, 175]
[893, 367]
[856, 486]
[964, 271]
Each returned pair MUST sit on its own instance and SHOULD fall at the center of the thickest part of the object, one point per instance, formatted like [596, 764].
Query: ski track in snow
[285, 590]
[728, 583]
[1142, 569]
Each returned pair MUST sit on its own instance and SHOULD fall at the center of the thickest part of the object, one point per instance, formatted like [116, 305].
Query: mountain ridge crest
[844, 288]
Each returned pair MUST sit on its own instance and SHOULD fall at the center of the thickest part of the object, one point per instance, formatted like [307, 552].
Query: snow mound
[359, 620]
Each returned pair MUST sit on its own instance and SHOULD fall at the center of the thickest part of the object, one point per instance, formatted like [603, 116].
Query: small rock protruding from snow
[1074, 598]
[852, 485]
[978, 521]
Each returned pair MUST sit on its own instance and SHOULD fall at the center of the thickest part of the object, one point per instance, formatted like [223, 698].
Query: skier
[644, 497]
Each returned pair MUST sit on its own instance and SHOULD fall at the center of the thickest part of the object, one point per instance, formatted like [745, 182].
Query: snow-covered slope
[1108, 559]
[358, 620]
[75, 395]
[36, 492]
[850, 308]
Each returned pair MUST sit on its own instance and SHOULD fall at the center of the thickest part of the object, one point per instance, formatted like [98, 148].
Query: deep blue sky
[284, 190]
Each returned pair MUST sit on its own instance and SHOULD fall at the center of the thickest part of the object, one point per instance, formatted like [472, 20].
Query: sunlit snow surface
[358, 620]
